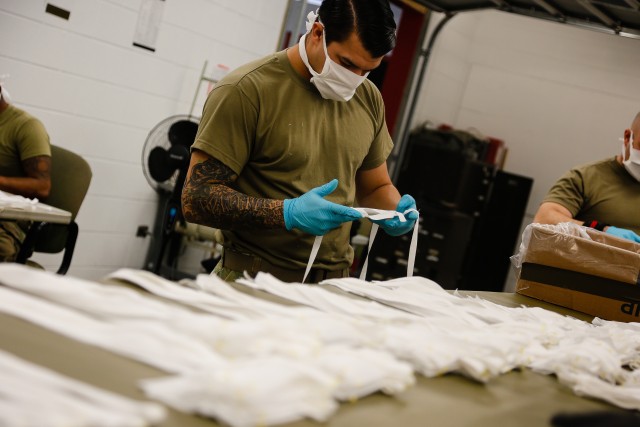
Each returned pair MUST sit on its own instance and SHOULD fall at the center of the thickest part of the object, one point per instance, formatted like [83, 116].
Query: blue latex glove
[624, 233]
[313, 214]
[393, 226]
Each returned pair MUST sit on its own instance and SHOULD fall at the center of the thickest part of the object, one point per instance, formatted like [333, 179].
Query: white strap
[377, 215]
[374, 230]
[314, 252]
[372, 237]
[413, 247]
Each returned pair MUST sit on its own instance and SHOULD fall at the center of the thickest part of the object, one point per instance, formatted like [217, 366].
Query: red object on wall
[399, 65]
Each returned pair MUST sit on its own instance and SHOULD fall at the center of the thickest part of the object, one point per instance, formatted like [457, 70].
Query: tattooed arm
[37, 183]
[207, 198]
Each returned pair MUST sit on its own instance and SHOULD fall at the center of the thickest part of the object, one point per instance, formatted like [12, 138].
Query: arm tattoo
[208, 199]
[38, 167]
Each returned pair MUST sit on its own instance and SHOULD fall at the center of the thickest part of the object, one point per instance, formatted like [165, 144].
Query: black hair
[372, 21]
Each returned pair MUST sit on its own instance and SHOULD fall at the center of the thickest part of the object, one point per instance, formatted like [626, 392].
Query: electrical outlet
[143, 231]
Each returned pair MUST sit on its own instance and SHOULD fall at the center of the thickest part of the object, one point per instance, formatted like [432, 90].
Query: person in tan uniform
[288, 144]
[25, 167]
[604, 195]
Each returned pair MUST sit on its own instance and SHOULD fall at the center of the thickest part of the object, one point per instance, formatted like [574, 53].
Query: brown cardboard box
[597, 276]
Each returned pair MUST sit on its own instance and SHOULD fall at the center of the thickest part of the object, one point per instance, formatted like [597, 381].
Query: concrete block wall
[99, 96]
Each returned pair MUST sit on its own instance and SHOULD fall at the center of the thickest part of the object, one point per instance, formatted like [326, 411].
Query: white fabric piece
[372, 237]
[4, 93]
[373, 214]
[151, 343]
[258, 392]
[16, 201]
[312, 257]
[363, 371]
[174, 292]
[62, 401]
[315, 296]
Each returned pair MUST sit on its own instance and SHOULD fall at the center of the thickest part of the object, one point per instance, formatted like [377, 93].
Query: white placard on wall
[148, 25]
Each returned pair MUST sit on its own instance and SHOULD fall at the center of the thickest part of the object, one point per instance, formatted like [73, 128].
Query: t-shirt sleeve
[382, 143]
[227, 128]
[33, 140]
[568, 191]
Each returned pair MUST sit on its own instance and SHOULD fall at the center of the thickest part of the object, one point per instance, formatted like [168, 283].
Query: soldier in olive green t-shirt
[25, 165]
[604, 195]
[289, 143]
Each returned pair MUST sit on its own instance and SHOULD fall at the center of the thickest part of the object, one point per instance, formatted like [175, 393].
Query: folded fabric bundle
[62, 401]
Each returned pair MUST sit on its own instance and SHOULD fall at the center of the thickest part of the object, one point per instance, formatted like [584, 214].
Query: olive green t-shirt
[603, 191]
[22, 136]
[271, 126]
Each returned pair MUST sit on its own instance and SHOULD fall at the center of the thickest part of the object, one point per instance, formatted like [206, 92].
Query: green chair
[70, 179]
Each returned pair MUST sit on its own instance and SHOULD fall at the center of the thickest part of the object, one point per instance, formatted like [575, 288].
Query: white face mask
[632, 165]
[4, 93]
[334, 81]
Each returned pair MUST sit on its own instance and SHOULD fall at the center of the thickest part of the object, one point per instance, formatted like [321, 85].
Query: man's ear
[627, 136]
[317, 31]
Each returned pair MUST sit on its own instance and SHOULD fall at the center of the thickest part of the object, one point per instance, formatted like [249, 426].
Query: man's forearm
[36, 183]
[384, 197]
[207, 199]
[554, 213]
[221, 207]
[27, 187]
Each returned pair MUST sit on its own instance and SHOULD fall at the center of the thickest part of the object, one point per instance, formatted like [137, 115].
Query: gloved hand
[313, 214]
[623, 232]
[393, 226]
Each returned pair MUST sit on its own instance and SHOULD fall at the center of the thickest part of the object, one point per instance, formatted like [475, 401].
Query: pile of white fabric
[481, 339]
[33, 396]
[16, 201]
[247, 361]
[228, 365]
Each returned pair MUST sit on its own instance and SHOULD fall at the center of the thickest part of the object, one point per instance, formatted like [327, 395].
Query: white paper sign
[148, 25]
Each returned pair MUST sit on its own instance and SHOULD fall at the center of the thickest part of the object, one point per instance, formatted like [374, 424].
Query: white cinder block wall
[558, 95]
[100, 96]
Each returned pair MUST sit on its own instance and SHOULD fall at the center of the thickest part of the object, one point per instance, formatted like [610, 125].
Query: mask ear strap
[311, 18]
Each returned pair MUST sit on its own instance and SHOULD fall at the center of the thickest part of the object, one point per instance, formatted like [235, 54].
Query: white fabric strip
[373, 214]
[312, 257]
[38, 397]
[372, 237]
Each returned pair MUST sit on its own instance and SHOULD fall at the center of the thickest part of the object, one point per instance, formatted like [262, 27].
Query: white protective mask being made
[334, 82]
[632, 164]
[376, 214]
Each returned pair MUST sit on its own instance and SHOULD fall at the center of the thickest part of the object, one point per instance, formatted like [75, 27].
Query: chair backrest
[70, 179]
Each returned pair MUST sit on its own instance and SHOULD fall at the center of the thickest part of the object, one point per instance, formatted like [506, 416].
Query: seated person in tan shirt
[25, 167]
[604, 195]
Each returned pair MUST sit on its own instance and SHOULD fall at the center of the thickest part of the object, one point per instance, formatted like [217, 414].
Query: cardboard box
[596, 274]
